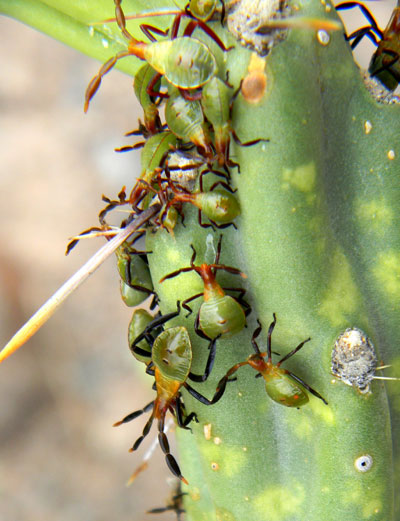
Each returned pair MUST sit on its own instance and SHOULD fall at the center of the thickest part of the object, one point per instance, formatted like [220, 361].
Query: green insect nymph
[281, 385]
[172, 353]
[185, 119]
[140, 319]
[219, 314]
[136, 284]
[186, 63]
[143, 78]
[220, 206]
[169, 358]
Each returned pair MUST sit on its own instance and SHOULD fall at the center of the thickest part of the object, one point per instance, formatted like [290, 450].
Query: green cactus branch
[318, 239]
[76, 24]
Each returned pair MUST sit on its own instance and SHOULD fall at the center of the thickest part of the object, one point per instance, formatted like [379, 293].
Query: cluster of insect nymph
[193, 145]
[186, 160]
[178, 158]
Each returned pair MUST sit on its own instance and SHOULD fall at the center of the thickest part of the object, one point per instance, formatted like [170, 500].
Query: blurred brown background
[60, 457]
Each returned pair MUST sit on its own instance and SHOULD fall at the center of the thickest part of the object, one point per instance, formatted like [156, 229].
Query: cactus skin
[324, 255]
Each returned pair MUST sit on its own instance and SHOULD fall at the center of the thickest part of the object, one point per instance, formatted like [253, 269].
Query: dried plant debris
[354, 359]
[248, 21]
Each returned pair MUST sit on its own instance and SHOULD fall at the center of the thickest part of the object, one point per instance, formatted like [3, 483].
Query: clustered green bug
[194, 108]
[168, 356]
[186, 63]
[152, 122]
[220, 206]
[136, 284]
[138, 323]
[198, 114]
[186, 120]
[217, 104]
[170, 359]
[219, 314]
[281, 385]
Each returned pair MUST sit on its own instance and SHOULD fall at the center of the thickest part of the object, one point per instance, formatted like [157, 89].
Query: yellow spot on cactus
[207, 431]
[194, 494]
[222, 514]
[246, 498]
[214, 465]
[301, 178]
[244, 449]
[367, 127]
[326, 414]
[234, 457]
[375, 214]
[280, 502]
[391, 155]
[387, 272]
[371, 503]
[217, 440]
[240, 394]
[302, 427]
[341, 296]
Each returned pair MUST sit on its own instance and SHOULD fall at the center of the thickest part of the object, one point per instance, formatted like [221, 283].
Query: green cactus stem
[318, 240]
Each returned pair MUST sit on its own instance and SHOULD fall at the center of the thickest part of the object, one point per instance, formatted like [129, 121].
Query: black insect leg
[170, 460]
[293, 352]
[306, 386]
[185, 302]
[145, 432]
[155, 323]
[134, 414]
[217, 395]
[209, 364]
[255, 335]
[182, 419]
[197, 329]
